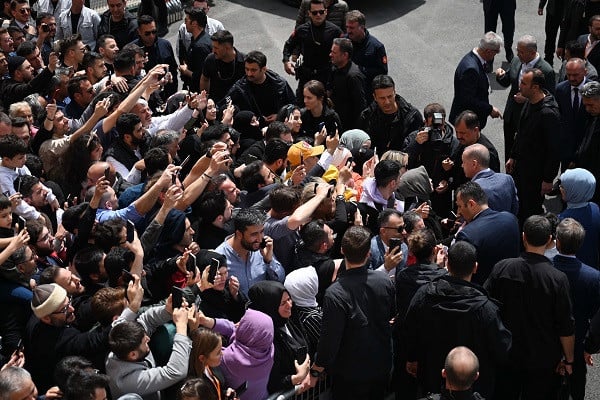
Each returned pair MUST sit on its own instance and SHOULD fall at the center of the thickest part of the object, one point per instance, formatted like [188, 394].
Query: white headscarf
[302, 285]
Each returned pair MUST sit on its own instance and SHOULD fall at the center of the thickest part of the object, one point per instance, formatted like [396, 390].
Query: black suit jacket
[471, 89]
[594, 56]
[572, 125]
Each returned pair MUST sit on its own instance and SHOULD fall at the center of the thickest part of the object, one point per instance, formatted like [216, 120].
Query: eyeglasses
[65, 309]
[399, 229]
[318, 12]
[25, 10]
[150, 33]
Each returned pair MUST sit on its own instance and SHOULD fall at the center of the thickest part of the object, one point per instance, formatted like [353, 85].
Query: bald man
[499, 188]
[461, 370]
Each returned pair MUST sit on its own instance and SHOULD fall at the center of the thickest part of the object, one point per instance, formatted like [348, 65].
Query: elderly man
[499, 188]
[471, 84]
[527, 58]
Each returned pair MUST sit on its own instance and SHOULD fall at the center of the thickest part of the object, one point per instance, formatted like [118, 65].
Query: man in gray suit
[527, 59]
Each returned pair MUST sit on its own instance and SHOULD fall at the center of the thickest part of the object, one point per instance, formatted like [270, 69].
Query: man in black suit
[527, 59]
[573, 116]
[592, 52]
[495, 234]
[471, 84]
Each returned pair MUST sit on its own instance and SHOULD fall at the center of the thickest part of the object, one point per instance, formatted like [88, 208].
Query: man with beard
[50, 336]
[129, 148]
[261, 91]
[223, 67]
[22, 83]
[47, 256]
[534, 158]
[249, 252]
[131, 366]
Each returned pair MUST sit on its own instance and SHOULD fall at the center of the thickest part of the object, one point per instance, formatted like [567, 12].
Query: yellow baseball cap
[305, 150]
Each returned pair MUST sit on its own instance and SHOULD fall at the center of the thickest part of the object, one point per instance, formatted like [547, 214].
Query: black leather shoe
[509, 55]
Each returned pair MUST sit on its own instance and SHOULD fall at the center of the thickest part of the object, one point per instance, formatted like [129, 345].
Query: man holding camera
[432, 147]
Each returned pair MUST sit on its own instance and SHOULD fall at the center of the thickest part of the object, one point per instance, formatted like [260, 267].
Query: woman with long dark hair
[80, 154]
[317, 110]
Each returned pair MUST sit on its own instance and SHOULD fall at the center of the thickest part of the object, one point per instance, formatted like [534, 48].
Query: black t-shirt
[263, 94]
[222, 75]
[74, 22]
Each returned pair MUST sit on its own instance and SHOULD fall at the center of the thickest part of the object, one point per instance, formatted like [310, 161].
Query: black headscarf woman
[271, 298]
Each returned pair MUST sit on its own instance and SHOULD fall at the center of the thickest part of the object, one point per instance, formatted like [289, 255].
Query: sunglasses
[25, 10]
[318, 12]
[399, 229]
[150, 33]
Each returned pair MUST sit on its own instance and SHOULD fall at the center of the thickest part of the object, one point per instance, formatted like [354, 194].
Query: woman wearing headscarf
[303, 285]
[249, 356]
[355, 139]
[292, 361]
[577, 187]
[246, 123]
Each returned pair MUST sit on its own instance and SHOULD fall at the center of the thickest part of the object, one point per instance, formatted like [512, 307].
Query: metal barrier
[320, 392]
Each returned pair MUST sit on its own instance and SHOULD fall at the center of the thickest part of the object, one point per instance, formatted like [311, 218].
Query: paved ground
[424, 41]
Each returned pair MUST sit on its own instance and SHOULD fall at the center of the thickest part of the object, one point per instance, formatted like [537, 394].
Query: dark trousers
[343, 389]
[517, 383]
[551, 28]
[506, 10]
[577, 380]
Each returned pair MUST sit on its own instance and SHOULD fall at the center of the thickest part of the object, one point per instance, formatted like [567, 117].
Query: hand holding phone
[395, 242]
[177, 297]
[212, 271]
[127, 277]
[130, 231]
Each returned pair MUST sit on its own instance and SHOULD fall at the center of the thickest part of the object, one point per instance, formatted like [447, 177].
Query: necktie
[575, 100]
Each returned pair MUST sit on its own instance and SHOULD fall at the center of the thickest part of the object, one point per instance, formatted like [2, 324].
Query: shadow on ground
[399, 7]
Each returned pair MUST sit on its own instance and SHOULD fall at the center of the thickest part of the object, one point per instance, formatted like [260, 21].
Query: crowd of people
[237, 238]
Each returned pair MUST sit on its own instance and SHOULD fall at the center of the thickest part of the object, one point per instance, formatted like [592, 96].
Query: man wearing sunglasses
[314, 40]
[21, 13]
[383, 257]
[158, 51]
